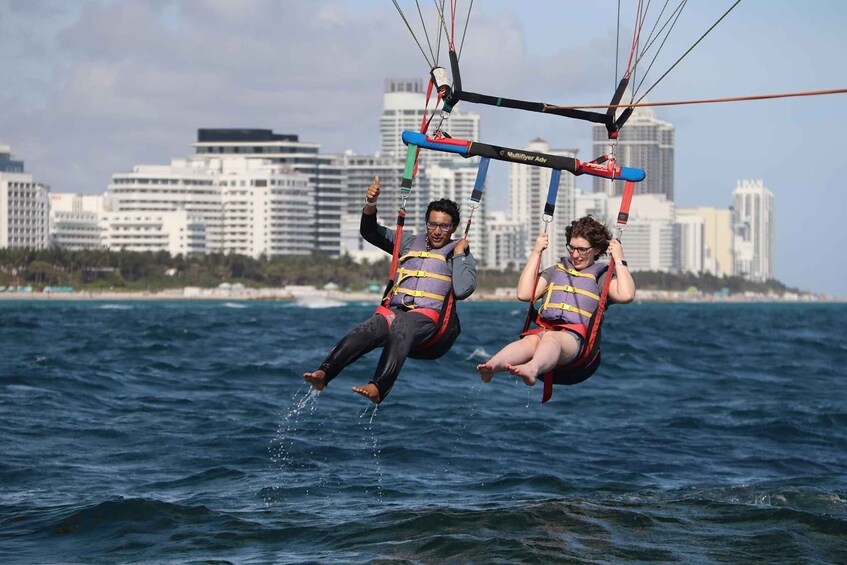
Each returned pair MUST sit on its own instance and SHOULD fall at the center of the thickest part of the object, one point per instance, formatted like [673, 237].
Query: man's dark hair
[446, 206]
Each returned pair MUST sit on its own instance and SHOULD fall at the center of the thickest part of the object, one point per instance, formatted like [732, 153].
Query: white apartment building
[24, 206]
[184, 185]
[644, 142]
[234, 205]
[75, 220]
[267, 208]
[178, 232]
[717, 239]
[690, 236]
[506, 243]
[753, 230]
[324, 172]
[528, 188]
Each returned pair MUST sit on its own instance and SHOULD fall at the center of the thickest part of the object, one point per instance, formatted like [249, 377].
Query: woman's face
[581, 253]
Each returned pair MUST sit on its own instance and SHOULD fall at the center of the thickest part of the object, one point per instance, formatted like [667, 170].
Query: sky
[94, 87]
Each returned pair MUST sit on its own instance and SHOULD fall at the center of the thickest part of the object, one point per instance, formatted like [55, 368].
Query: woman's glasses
[444, 227]
[580, 250]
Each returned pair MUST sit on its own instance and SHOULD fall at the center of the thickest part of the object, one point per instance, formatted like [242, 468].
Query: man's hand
[373, 191]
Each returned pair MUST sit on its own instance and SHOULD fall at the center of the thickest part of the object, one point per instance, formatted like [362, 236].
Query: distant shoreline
[313, 296]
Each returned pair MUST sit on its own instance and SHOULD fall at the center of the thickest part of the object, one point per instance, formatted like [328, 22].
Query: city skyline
[97, 88]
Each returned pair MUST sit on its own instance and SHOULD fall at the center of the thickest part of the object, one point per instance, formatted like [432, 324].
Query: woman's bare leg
[517, 352]
[556, 348]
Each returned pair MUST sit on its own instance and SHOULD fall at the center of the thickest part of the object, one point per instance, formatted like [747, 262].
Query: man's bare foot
[369, 391]
[316, 378]
[486, 371]
[527, 372]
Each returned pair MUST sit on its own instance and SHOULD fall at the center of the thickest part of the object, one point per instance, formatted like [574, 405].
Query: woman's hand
[615, 250]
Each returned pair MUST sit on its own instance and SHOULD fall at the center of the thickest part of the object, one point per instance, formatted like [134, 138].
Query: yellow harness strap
[418, 293]
[406, 273]
[568, 288]
[567, 308]
[403, 274]
[575, 273]
[423, 255]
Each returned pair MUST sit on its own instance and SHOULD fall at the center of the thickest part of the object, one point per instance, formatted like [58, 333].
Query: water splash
[282, 445]
[376, 448]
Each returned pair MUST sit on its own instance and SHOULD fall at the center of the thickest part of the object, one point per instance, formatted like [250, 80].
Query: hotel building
[753, 230]
[24, 206]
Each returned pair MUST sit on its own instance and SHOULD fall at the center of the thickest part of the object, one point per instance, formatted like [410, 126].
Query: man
[433, 269]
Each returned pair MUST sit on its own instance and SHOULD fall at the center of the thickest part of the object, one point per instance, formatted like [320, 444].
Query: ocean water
[181, 432]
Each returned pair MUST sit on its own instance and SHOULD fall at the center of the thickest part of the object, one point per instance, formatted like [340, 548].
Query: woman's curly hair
[597, 234]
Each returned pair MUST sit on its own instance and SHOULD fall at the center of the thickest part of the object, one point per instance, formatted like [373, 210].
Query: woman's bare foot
[527, 372]
[486, 371]
[369, 391]
[316, 378]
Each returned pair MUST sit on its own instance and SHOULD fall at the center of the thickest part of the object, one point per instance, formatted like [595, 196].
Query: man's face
[439, 229]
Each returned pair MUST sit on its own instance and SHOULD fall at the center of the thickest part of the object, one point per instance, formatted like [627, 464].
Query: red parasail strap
[626, 200]
[548, 387]
[395, 255]
[424, 120]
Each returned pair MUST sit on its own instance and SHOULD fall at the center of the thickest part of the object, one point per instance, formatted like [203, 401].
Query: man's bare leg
[316, 378]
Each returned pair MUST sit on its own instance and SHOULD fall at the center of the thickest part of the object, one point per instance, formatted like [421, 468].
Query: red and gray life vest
[423, 278]
[571, 297]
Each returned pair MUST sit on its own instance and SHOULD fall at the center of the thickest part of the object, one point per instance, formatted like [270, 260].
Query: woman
[572, 293]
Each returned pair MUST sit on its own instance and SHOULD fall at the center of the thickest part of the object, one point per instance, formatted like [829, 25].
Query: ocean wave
[115, 306]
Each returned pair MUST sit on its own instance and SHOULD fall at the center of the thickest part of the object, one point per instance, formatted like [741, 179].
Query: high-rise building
[404, 107]
[7, 164]
[24, 206]
[753, 230]
[690, 246]
[648, 238]
[644, 142]
[323, 171]
[267, 208]
[506, 242]
[528, 189]
[716, 240]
